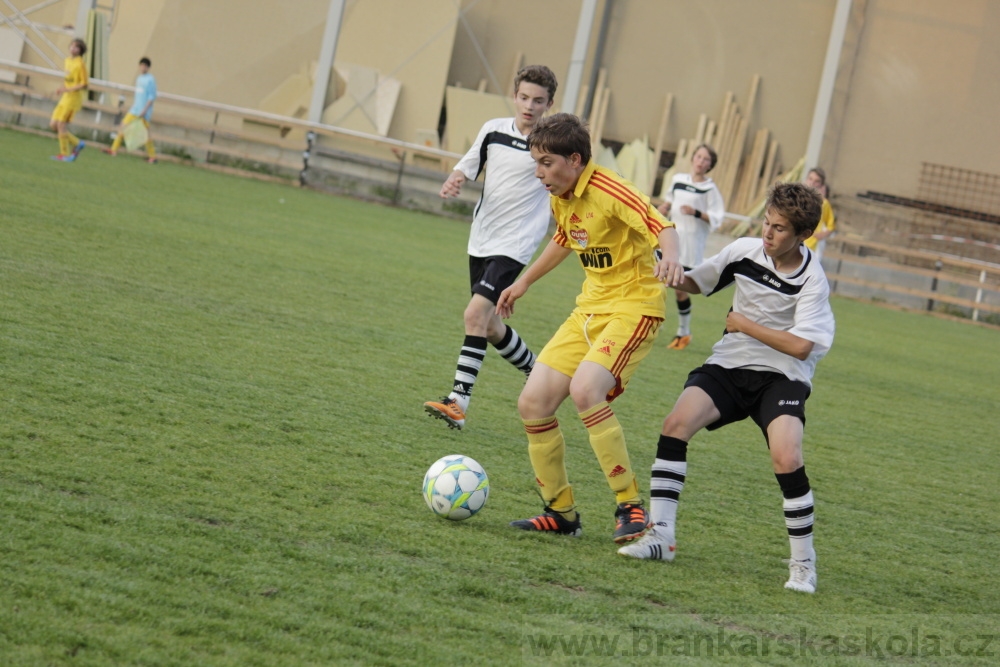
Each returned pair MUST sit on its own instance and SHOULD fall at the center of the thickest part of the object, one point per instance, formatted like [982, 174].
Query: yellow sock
[547, 451]
[608, 441]
[117, 143]
[150, 149]
[73, 141]
[64, 145]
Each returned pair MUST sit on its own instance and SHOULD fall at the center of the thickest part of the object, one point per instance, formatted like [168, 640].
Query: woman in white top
[694, 204]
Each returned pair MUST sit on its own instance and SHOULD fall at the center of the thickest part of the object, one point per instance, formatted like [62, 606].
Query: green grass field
[212, 445]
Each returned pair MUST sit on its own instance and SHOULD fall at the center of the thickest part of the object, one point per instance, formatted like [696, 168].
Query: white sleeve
[716, 208]
[711, 275]
[814, 317]
[471, 163]
[669, 194]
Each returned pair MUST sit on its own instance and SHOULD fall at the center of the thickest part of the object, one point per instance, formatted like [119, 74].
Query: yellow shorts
[64, 111]
[129, 118]
[616, 341]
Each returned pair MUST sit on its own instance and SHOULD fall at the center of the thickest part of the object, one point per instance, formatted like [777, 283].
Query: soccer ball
[456, 487]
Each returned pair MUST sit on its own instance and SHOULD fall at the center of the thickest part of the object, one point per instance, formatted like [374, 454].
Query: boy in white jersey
[509, 222]
[779, 327]
[695, 205]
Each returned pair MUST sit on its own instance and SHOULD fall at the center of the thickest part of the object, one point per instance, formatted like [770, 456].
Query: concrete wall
[925, 88]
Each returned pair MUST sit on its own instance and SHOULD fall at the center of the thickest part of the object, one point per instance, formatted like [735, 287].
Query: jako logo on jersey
[788, 402]
[487, 285]
[579, 235]
[771, 281]
[617, 471]
[605, 350]
[517, 143]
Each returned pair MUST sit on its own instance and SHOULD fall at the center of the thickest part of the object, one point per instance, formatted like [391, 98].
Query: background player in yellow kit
[614, 230]
[72, 92]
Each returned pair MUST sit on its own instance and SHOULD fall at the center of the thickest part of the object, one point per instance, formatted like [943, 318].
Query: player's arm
[468, 167]
[551, 257]
[669, 269]
[782, 341]
[452, 187]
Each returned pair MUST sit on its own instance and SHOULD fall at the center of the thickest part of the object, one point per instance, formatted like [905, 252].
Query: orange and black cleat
[632, 522]
[550, 522]
[679, 343]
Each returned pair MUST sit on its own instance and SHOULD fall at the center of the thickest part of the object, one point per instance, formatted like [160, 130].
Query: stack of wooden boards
[742, 177]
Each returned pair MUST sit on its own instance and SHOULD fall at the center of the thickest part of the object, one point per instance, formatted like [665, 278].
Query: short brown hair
[819, 172]
[561, 134]
[81, 43]
[711, 154]
[540, 75]
[797, 203]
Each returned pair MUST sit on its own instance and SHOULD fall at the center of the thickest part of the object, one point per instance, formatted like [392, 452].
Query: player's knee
[585, 395]
[675, 425]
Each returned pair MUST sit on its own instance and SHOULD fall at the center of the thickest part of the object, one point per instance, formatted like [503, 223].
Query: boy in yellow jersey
[816, 179]
[614, 230]
[140, 111]
[72, 92]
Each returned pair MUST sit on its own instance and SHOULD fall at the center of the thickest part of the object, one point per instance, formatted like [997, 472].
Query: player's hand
[669, 271]
[505, 304]
[664, 208]
[453, 185]
[736, 323]
[687, 210]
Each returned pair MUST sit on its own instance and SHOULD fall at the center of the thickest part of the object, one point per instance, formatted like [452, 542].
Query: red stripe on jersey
[598, 417]
[654, 225]
[560, 238]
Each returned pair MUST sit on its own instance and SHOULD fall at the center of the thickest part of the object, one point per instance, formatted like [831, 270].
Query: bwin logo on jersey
[771, 281]
[783, 402]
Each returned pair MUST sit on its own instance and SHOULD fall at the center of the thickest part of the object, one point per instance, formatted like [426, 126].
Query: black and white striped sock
[669, 473]
[470, 360]
[514, 350]
[799, 513]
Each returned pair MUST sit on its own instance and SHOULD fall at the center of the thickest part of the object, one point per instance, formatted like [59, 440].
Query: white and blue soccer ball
[456, 487]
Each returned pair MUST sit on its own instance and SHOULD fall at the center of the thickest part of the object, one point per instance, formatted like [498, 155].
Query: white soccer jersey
[693, 232]
[797, 302]
[512, 215]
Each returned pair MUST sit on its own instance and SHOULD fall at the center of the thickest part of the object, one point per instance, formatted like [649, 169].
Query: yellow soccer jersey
[76, 73]
[613, 228]
[826, 222]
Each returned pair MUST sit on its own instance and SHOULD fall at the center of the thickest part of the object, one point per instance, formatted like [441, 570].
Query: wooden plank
[923, 294]
[602, 115]
[736, 150]
[602, 78]
[581, 101]
[699, 136]
[750, 174]
[883, 263]
[752, 96]
[920, 254]
[661, 137]
[767, 177]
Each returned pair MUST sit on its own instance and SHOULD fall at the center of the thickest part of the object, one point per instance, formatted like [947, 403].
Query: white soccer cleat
[802, 576]
[657, 544]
